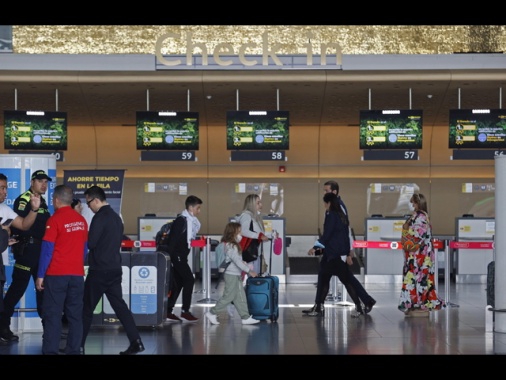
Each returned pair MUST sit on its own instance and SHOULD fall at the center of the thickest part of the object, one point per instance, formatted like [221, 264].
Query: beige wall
[316, 154]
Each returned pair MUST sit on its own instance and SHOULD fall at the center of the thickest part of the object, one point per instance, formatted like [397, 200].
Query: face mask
[238, 238]
[411, 207]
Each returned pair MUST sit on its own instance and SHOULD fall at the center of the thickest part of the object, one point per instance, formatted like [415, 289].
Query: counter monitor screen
[166, 130]
[391, 129]
[258, 130]
[477, 129]
[35, 130]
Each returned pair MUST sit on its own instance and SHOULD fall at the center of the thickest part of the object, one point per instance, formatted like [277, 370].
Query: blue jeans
[62, 293]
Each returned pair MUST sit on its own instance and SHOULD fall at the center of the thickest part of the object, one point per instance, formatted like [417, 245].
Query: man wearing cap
[26, 251]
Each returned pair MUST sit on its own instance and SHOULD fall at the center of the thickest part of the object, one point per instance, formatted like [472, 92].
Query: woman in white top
[252, 213]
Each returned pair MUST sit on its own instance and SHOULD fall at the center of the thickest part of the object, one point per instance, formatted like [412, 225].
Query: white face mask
[238, 238]
[411, 207]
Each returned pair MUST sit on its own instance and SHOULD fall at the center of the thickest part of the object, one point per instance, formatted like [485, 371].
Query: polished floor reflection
[460, 329]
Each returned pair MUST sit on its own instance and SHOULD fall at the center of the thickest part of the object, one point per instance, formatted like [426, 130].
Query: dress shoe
[359, 310]
[8, 336]
[369, 306]
[318, 311]
[307, 311]
[135, 347]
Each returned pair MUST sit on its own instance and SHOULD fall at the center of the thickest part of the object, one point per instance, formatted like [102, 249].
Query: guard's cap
[40, 174]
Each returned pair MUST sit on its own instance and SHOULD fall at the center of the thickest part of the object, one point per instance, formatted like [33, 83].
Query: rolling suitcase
[262, 294]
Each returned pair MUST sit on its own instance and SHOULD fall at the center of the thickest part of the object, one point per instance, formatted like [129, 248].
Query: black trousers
[26, 266]
[359, 288]
[107, 282]
[334, 267]
[181, 280]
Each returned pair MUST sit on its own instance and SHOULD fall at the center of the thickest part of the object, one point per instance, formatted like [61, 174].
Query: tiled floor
[460, 329]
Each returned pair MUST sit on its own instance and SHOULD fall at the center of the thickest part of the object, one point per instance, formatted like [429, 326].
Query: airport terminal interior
[104, 76]
[464, 327]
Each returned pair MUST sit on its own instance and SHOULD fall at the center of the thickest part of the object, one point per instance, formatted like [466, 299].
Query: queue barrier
[388, 244]
[138, 244]
[447, 244]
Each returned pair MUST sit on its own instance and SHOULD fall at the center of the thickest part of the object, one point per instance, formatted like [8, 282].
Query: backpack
[221, 258]
[162, 237]
[221, 261]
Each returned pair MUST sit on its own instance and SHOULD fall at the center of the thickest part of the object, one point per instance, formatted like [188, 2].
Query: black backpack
[162, 237]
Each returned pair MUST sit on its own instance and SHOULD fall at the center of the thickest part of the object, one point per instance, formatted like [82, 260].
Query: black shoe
[135, 347]
[359, 309]
[8, 336]
[318, 311]
[307, 311]
[369, 306]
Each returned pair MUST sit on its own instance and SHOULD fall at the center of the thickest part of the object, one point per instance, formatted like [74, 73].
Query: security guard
[26, 252]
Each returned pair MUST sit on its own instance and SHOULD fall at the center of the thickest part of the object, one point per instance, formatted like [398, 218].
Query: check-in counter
[472, 258]
[383, 265]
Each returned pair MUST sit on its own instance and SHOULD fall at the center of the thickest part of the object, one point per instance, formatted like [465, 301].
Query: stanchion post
[344, 296]
[332, 295]
[447, 275]
[207, 265]
[344, 293]
[436, 269]
[206, 272]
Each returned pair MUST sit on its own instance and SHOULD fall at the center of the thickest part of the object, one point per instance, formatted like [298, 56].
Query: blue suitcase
[262, 296]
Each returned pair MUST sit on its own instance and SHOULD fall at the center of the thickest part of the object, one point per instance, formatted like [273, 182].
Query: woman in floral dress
[418, 293]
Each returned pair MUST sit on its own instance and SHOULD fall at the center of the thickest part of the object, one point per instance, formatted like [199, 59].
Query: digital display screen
[35, 130]
[477, 129]
[391, 129]
[166, 130]
[258, 130]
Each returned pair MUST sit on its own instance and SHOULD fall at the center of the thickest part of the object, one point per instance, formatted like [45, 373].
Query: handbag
[249, 247]
[409, 242]
[250, 253]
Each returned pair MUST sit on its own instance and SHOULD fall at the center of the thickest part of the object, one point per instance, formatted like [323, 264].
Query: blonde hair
[250, 205]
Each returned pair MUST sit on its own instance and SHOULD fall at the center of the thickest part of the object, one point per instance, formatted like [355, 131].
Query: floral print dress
[418, 285]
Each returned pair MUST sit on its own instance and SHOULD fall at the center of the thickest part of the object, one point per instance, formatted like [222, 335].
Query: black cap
[40, 174]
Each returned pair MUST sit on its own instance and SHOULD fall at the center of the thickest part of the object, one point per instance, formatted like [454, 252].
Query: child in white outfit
[234, 289]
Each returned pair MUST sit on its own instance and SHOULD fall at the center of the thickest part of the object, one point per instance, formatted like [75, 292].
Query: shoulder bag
[249, 247]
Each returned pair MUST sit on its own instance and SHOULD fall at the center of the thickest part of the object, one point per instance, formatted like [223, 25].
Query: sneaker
[172, 318]
[369, 306]
[8, 336]
[250, 321]
[213, 318]
[188, 317]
